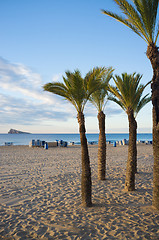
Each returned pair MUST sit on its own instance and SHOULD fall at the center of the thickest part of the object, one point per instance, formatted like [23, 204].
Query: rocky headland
[14, 131]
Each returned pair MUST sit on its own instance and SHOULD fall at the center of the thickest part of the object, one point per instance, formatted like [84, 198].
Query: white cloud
[18, 79]
[23, 99]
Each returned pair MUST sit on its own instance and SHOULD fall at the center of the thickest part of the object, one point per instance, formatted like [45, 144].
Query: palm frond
[142, 103]
[56, 88]
[148, 12]
[140, 17]
[114, 99]
[116, 93]
[61, 90]
[156, 36]
[128, 92]
[126, 22]
[76, 89]
[98, 98]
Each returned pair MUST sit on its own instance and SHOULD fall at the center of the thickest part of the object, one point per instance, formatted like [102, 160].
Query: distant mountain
[14, 131]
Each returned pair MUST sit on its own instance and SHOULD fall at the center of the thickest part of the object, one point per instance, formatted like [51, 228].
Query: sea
[24, 139]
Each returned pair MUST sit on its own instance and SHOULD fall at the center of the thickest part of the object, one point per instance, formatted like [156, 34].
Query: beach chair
[38, 143]
[114, 144]
[32, 143]
[125, 142]
[120, 143]
[60, 143]
[46, 145]
[63, 144]
[8, 143]
[42, 144]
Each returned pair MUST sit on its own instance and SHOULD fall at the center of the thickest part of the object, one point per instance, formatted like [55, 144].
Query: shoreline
[111, 143]
[24, 139]
[40, 195]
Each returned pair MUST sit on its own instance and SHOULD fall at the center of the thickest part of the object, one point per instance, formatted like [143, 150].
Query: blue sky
[40, 40]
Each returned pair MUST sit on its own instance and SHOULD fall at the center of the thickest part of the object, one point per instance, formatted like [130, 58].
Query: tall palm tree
[77, 91]
[128, 95]
[98, 99]
[141, 17]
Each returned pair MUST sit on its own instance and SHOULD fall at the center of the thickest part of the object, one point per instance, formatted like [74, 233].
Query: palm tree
[141, 17]
[77, 91]
[98, 99]
[128, 95]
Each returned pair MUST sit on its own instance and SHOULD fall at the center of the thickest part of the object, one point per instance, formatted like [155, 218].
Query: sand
[40, 195]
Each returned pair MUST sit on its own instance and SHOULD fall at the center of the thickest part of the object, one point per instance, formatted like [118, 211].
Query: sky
[40, 40]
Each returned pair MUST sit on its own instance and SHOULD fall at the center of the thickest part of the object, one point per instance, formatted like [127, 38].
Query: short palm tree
[141, 17]
[77, 91]
[98, 99]
[127, 93]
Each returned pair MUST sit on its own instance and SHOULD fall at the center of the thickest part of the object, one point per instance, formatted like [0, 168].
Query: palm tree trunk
[135, 147]
[86, 184]
[130, 169]
[153, 55]
[101, 147]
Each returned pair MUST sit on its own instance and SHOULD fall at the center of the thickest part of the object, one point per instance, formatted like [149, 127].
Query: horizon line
[79, 133]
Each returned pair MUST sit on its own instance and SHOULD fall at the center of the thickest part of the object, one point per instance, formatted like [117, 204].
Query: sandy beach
[40, 195]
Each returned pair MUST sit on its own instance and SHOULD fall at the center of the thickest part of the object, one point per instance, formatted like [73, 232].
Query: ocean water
[24, 139]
